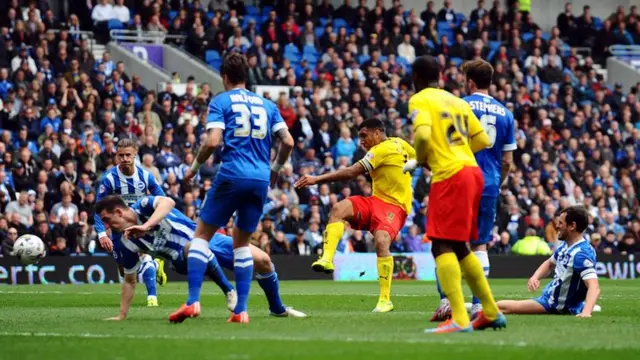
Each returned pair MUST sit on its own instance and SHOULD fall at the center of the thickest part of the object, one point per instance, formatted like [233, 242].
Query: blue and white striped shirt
[167, 239]
[130, 188]
[574, 264]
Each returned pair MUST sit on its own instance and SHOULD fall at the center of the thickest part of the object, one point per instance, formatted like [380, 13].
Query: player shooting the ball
[383, 213]
[574, 288]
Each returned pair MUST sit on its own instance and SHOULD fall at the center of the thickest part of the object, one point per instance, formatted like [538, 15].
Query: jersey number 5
[256, 128]
[489, 125]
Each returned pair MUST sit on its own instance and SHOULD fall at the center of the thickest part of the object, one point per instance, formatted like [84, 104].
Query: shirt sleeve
[104, 189]
[154, 187]
[373, 158]
[419, 112]
[215, 116]
[554, 257]
[510, 140]
[411, 152]
[584, 264]
[147, 205]
[277, 122]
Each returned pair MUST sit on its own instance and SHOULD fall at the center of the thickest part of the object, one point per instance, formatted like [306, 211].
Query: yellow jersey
[384, 162]
[452, 124]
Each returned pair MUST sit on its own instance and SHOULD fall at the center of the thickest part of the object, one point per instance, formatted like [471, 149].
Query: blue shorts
[544, 301]
[220, 245]
[486, 219]
[226, 196]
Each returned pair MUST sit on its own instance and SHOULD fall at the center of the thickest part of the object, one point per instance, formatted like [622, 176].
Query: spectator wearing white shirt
[121, 12]
[23, 55]
[406, 50]
[65, 207]
[102, 12]
[22, 208]
[552, 56]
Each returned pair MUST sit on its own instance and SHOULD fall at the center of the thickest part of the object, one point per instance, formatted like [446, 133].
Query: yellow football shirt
[384, 162]
[452, 124]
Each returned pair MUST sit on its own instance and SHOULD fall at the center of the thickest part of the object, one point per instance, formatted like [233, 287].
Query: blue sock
[442, 296]
[483, 257]
[243, 271]
[271, 287]
[197, 261]
[148, 270]
[214, 271]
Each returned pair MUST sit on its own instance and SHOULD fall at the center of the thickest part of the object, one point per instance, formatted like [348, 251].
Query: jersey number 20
[250, 120]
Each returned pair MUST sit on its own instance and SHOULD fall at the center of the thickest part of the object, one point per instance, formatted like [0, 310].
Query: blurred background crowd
[63, 112]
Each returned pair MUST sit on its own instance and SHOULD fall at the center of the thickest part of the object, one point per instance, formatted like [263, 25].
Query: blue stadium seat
[211, 55]
[545, 89]
[215, 64]
[172, 15]
[402, 61]
[319, 31]
[383, 58]
[430, 44]
[597, 23]
[443, 26]
[323, 21]
[460, 17]
[245, 20]
[291, 49]
[303, 208]
[457, 60]
[492, 54]
[494, 44]
[311, 58]
[338, 23]
[114, 24]
[526, 37]
[546, 36]
[252, 10]
[310, 50]
[363, 59]
[290, 237]
[266, 10]
[210, 15]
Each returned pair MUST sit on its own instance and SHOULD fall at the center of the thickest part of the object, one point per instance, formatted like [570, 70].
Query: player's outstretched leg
[443, 312]
[450, 276]
[385, 271]
[215, 273]
[147, 272]
[268, 281]
[490, 316]
[243, 271]
[341, 212]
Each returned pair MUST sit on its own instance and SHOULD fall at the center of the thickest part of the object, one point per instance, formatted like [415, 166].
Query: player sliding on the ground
[247, 121]
[495, 162]
[153, 225]
[447, 135]
[383, 213]
[574, 288]
[131, 182]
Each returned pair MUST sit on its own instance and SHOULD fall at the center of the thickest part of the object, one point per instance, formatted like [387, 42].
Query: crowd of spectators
[64, 111]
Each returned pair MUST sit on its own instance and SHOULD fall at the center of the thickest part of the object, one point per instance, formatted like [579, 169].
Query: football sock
[332, 235]
[271, 287]
[442, 296]
[243, 271]
[484, 261]
[215, 273]
[448, 270]
[197, 261]
[478, 283]
[385, 273]
[149, 269]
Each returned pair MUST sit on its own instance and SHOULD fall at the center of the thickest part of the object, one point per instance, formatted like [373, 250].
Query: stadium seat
[252, 10]
[310, 50]
[430, 44]
[114, 24]
[460, 17]
[211, 55]
[597, 23]
[266, 10]
[546, 36]
[339, 23]
[290, 237]
[363, 59]
[323, 22]
[291, 49]
[215, 64]
[210, 15]
[526, 37]
[319, 31]
[402, 61]
[457, 61]
[494, 44]
[172, 15]
[383, 58]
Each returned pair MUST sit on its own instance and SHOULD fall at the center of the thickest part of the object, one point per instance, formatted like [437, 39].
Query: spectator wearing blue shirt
[345, 147]
[5, 83]
[168, 162]
[51, 119]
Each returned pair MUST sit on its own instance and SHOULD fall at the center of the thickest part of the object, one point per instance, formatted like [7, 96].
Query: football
[29, 249]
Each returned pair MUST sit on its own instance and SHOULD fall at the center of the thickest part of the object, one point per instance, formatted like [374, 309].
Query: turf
[65, 322]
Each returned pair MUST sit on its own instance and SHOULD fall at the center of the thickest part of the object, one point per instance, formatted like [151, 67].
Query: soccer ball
[29, 249]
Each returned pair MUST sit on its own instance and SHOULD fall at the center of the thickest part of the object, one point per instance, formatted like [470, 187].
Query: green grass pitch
[65, 322]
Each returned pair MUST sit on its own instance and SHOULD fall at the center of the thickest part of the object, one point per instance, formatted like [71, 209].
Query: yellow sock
[450, 278]
[474, 274]
[385, 273]
[332, 236]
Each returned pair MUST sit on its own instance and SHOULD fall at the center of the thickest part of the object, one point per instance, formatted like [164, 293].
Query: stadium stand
[63, 110]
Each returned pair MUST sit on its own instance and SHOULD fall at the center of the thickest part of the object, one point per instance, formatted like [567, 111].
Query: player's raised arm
[338, 175]
[159, 207]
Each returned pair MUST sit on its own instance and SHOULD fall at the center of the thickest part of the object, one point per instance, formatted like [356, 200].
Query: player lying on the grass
[574, 288]
[131, 182]
[383, 213]
[153, 225]
[494, 161]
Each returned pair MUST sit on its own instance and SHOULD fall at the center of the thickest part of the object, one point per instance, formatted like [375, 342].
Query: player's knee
[262, 263]
[382, 241]
[339, 211]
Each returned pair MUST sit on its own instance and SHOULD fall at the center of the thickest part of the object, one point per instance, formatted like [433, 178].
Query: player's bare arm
[507, 166]
[163, 207]
[339, 175]
[284, 151]
[214, 139]
[543, 271]
[126, 297]
[593, 293]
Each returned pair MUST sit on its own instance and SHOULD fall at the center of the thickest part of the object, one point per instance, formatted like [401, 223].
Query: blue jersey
[497, 121]
[248, 121]
[130, 188]
[167, 239]
[574, 264]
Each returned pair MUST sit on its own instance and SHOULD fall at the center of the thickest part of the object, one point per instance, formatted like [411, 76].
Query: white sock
[483, 256]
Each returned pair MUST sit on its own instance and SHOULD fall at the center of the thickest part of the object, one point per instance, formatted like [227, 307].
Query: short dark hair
[579, 215]
[426, 69]
[110, 203]
[125, 143]
[236, 68]
[480, 71]
[372, 124]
